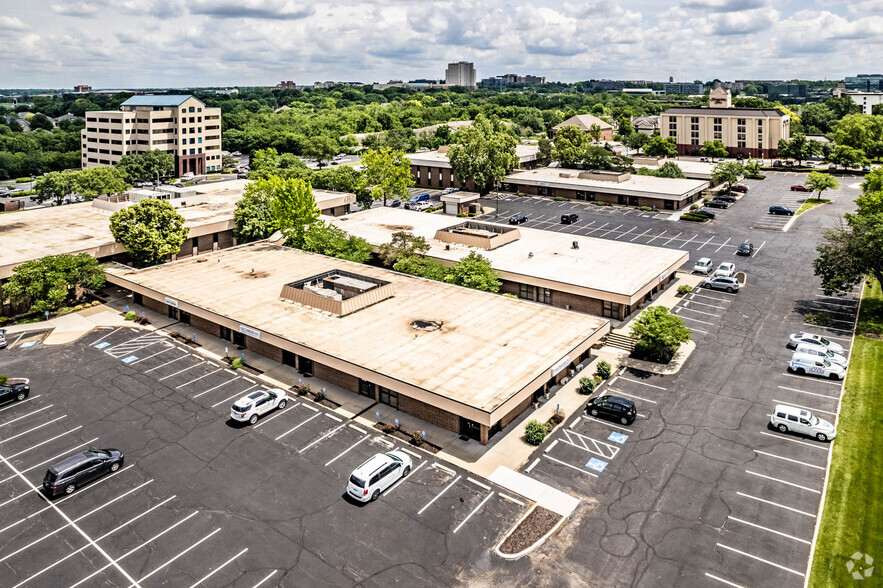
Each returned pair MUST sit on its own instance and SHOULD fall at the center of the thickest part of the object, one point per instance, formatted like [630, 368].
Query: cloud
[80, 8]
[724, 5]
[265, 9]
[743, 23]
[11, 23]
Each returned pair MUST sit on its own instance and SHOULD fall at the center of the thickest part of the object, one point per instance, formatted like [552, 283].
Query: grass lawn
[810, 203]
[853, 515]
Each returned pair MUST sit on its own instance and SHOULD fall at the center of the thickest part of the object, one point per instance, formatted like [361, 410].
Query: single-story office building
[432, 169]
[602, 277]
[468, 361]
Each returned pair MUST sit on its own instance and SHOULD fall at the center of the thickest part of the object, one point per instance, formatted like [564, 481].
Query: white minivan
[377, 474]
[704, 266]
[790, 418]
[802, 363]
[834, 358]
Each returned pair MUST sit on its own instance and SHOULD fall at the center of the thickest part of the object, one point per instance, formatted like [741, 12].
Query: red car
[799, 188]
[739, 188]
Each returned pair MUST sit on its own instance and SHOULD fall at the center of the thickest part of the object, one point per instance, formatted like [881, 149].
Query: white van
[803, 363]
[834, 358]
[790, 418]
[377, 474]
[704, 266]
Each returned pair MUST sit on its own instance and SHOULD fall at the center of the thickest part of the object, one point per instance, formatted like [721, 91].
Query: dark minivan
[613, 407]
[569, 218]
[80, 469]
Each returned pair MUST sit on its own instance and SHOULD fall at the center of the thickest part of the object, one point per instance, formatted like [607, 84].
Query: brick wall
[507, 287]
[186, 249]
[225, 239]
[265, 349]
[576, 302]
[205, 242]
[430, 414]
[337, 377]
[205, 326]
[156, 306]
[515, 412]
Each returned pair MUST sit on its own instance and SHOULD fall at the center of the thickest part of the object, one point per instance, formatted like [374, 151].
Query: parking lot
[204, 501]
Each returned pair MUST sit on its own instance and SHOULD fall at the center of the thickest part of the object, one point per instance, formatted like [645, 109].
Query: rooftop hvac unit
[575, 245]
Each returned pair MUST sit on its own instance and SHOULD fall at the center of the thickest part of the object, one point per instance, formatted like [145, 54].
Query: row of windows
[528, 292]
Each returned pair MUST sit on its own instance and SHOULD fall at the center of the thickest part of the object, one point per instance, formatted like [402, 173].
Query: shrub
[600, 203]
[559, 198]
[417, 437]
[694, 207]
[507, 295]
[130, 316]
[236, 363]
[535, 432]
[24, 193]
[603, 370]
[696, 218]
[388, 429]
[22, 180]
[586, 385]
[3, 380]
[707, 199]
[646, 208]
[685, 289]
[822, 319]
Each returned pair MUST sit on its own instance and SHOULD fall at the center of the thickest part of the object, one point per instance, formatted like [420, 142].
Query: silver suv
[721, 283]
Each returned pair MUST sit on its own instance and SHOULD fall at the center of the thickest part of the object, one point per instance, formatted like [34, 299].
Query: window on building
[544, 295]
[199, 140]
[608, 309]
[192, 109]
[525, 291]
[389, 397]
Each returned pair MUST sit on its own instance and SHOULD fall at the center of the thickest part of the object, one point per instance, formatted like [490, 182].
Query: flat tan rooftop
[488, 348]
[599, 264]
[648, 186]
[440, 159]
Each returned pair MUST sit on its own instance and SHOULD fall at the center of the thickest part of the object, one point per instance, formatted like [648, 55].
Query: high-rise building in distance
[461, 73]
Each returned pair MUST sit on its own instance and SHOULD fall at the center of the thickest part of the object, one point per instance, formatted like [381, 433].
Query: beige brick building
[181, 125]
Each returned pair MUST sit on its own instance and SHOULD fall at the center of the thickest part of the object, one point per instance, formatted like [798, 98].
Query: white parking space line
[510, 499]
[218, 569]
[360, 430]
[53, 458]
[154, 355]
[605, 423]
[783, 482]
[17, 339]
[626, 233]
[756, 251]
[181, 371]
[267, 577]
[596, 229]
[554, 443]
[180, 357]
[237, 395]
[47, 423]
[672, 239]
[809, 465]
[604, 235]
[722, 581]
[318, 414]
[26, 415]
[766, 561]
[706, 243]
[641, 235]
[198, 379]
[437, 496]
[703, 295]
[179, 556]
[810, 393]
[323, 437]
[768, 530]
[643, 383]
[411, 453]
[630, 395]
[278, 414]
[71, 523]
[570, 466]
[770, 502]
[216, 387]
[474, 510]
[105, 337]
[813, 410]
[657, 237]
[685, 307]
[347, 450]
[402, 479]
[532, 465]
[688, 240]
[722, 245]
[14, 498]
[15, 404]
[783, 438]
[839, 330]
[135, 549]
[333, 418]
[479, 484]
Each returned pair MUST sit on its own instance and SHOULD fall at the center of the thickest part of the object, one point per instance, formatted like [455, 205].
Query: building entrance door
[306, 366]
[470, 429]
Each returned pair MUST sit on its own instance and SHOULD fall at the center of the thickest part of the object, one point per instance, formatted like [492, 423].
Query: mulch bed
[327, 403]
[530, 530]
[399, 434]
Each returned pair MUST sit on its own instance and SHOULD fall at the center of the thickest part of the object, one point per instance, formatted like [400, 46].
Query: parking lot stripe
[249, 380]
[218, 569]
[32, 429]
[770, 502]
[607, 233]
[810, 393]
[641, 235]
[180, 357]
[605, 423]
[727, 582]
[722, 245]
[238, 394]
[706, 243]
[181, 371]
[14, 404]
[631, 395]
[532, 465]
[703, 295]
[83, 548]
[783, 482]
[685, 307]
[477, 483]
[437, 496]
[360, 430]
[657, 237]
[644, 383]
[197, 379]
[267, 577]
[768, 530]
[323, 437]
[135, 549]
[278, 414]
[474, 510]
[17, 339]
[570, 466]
[550, 447]
[333, 418]
[149, 356]
[783, 438]
[672, 239]
[105, 337]
[26, 415]
[297, 426]
[216, 387]
[13, 499]
[766, 561]
[311, 407]
[54, 457]
[411, 453]
[626, 233]
[804, 407]
[345, 451]
[809, 465]
[178, 556]
[839, 330]
[695, 320]
[402, 479]
[706, 304]
[70, 522]
[510, 499]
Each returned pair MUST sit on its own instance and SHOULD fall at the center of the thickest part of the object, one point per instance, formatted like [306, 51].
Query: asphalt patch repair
[534, 527]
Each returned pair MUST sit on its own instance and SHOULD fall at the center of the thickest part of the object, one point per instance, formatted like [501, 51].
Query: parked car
[421, 206]
[801, 363]
[777, 163]
[810, 164]
[789, 164]
[251, 407]
[703, 212]
[2, 338]
[832, 166]
[793, 419]
[717, 203]
[745, 248]
[726, 270]
[721, 283]
[799, 188]
[703, 266]
[377, 474]
[79, 469]
[394, 203]
[187, 177]
[517, 219]
[242, 176]
[811, 349]
[813, 339]
[781, 210]
[15, 389]
[866, 168]
[613, 407]
[569, 218]
[703, 159]
[726, 198]
[236, 154]
[450, 191]
[739, 188]
[420, 197]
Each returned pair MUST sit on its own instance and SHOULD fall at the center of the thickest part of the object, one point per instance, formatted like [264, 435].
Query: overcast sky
[167, 43]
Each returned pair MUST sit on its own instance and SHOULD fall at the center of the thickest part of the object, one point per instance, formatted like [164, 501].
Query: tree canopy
[657, 146]
[658, 334]
[148, 165]
[819, 182]
[482, 153]
[150, 230]
[386, 174]
[403, 244]
[714, 149]
[291, 204]
[474, 271]
[727, 172]
[54, 185]
[253, 217]
[54, 281]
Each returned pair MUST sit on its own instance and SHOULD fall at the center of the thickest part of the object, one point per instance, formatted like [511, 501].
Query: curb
[540, 541]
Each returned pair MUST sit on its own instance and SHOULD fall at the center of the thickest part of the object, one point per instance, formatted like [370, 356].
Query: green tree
[877, 109]
[386, 174]
[321, 237]
[657, 146]
[403, 244]
[871, 200]
[727, 172]
[54, 185]
[54, 281]
[150, 230]
[474, 271]
[714, 149]
[669, 169]
[570, 146]
[41, 121]
[149, 165]
[798, 148]
[544, 154]
[850, 252]
[658, 334]
[535, 432]
[625, 127]
[594, 132]
[291, 204]
[848, 156]
[253, 216]
[97, 181]
[817, 116]
[424, 267]
[636, 141]
[752, 169]
[842, 106]
[321, 148]
[859, 131]
[819, 182]
[482, 153]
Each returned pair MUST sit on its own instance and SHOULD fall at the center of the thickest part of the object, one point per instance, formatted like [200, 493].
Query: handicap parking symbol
[617, 438]
[101, 345]
[129, 359]
[28, 344]
[596, 464]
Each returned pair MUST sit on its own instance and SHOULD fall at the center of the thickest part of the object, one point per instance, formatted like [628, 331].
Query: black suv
[15, 390]
[569, 218]
[725, 197]
[80, 469]
[716, 203]
[613, 407]
[745, 248]
[517, 219]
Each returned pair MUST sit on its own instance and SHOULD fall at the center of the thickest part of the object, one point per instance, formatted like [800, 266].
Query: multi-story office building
[752, 132]
[82, 89]
[285, 85]
[864, 82]
[510, 79]
[461, 73]
[683, 88]
[181, 125]
[867, 100]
